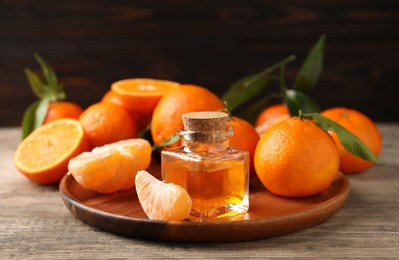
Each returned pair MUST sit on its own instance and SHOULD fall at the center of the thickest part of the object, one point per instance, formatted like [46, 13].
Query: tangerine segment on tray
[162, 201]
[111, 167]
[363, 128]
[166, 119]
[43, 155]
[296, 158]
[141, 95]
[105, 123]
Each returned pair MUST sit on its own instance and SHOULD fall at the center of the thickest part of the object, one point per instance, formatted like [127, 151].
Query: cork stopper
[205, 121]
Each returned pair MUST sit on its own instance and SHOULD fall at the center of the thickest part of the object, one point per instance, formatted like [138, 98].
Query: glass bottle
[215, 175]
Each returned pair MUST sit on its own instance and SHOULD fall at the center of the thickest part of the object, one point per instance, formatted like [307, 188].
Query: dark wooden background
[210, 43]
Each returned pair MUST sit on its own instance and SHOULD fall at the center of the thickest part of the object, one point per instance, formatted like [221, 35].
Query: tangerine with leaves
[160, 200]
[50, 104]
[362, 127]
[166, 119]
[296, 158]
[245, 137]
[44, 154]
[111, 167]
[106, 123]
[62, 109]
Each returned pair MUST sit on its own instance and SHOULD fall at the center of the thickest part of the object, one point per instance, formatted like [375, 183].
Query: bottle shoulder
[226, 154]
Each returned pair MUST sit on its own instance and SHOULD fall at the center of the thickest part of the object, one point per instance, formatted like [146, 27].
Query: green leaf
[244, 89]
[34, 116]
[41, 113]
[52, 89]
[296, 100]
[249, 86]
[37, 86]
[48, 72]
[311, 68]
[28, 119]
[146, 133]
[252, 112]
[171, 140]
[351, 143]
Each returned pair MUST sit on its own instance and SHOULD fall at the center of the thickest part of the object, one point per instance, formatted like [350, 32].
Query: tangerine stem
[283, 87]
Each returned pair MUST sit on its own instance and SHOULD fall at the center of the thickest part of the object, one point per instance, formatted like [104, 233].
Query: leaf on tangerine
[351, 143]
[296, 100]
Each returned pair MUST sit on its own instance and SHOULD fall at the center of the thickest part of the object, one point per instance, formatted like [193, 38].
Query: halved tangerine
[44, 154]
[141, 95]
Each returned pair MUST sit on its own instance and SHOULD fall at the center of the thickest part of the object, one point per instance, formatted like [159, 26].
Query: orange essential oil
[215, 176]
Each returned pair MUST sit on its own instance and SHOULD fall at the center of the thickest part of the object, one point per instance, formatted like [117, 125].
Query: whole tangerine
[142, 120]
[106, 123]
[245, 137]
[62, 109]
[362, 127]
[296, 158]
[166, 119]
[272, 114]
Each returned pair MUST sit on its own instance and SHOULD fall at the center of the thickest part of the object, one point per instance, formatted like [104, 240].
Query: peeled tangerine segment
[162, 201]
[111, 167]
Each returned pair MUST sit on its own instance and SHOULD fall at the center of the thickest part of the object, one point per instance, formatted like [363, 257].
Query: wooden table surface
[35, 223]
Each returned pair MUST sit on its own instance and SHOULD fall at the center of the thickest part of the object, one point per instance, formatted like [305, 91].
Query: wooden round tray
[269, 215]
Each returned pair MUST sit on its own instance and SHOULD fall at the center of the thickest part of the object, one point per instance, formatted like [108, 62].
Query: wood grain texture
[94, 43]
[35, 224]
[268, 216]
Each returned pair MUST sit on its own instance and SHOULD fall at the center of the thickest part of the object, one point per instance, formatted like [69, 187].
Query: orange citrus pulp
[141, 95]
[43, 155]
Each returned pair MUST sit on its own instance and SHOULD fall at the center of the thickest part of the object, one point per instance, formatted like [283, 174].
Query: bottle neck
[202, 147]
[206, 141]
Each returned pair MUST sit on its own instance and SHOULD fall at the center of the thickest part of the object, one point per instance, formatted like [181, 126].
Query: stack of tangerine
[101, 149]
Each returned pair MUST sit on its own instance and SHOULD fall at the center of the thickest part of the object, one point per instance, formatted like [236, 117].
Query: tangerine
[162, 201]
[271, 116]
[245, 138]
[112, 97]
[106, 123]
[62, 109]
[44, 154]
[166, 119]
[296, 158]
[362, 127]
[111, 167]
[141, 95]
